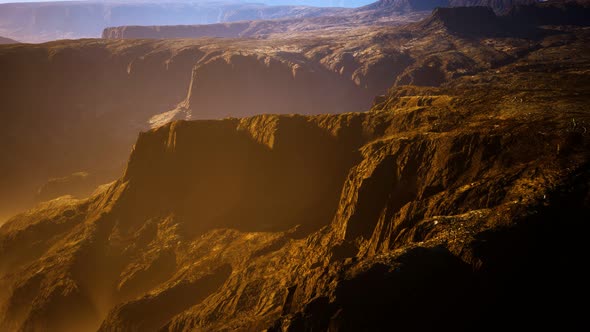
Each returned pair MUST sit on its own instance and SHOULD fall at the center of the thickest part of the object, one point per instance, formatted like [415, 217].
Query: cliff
[441, 207]
[464, 20]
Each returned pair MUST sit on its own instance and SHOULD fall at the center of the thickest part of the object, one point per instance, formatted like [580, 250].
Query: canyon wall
[442, 207]
[45, 21]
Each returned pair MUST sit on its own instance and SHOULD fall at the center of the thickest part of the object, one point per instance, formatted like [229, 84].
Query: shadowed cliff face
[284, 83]
[457, 203]
[75, 107]
[231, 170]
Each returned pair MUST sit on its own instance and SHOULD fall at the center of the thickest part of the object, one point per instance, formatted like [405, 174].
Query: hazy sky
[327, 3]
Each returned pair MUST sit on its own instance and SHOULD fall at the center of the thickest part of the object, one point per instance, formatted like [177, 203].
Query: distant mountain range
[45, 21]
[383, 12]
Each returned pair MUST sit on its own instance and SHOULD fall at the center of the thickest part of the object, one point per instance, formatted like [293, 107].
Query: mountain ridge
[384, 12]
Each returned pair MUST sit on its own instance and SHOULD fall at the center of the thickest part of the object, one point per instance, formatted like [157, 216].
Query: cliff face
[442, 207]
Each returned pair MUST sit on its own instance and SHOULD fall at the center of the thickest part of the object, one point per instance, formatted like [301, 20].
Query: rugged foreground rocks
[458, 206]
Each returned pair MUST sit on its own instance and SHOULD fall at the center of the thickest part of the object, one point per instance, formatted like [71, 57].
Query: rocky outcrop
[552, 13]
[474, 20]
[457, 203]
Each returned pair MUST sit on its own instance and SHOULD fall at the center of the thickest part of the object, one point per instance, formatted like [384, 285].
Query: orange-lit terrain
[395, 168]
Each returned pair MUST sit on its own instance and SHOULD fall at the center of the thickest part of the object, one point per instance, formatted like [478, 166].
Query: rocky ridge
[454, 202]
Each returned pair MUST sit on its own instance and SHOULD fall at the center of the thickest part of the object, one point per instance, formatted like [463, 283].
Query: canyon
[427, 175]
[75, 107]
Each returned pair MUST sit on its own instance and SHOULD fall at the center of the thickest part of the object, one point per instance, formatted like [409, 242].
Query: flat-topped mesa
[499, 6]
[407, 5]
[521, 20]
[222, 30]
[465, 20]
[552, 13]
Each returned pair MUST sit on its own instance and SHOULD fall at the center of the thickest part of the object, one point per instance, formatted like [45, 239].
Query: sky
[326, 3]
